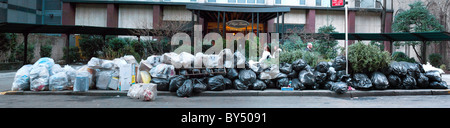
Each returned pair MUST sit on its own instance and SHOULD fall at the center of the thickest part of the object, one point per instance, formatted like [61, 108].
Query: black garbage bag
[328, 85]
[283, 82]
[259, 85]
[232, 74]
[398, 68]
[321, 78]
[322, 67]
[395, 81]
[281, 75]
[286, 68]
[341, 75]
[186, 89]
[270, 83]
[307, 78]
[409, 82]
[308, 68]
[293, 74]
[199, 86]
[339, 87]
[247, 77]
[176, 82]
[361, 81]
[438, 85]
[299, 65]
[420, 66]
[216, 83]
[161, 84]
[422, 81]
[433, 76]
[296, 84]
[228, 83]
[379, 80]
[331, 74]
[183, 72]
[238, 85]
[339, 63]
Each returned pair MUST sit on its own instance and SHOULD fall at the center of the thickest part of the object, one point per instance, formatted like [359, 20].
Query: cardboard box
[125, 76]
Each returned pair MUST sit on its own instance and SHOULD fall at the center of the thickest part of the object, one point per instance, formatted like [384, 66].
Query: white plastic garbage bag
[103, 79]
[154, 60]
[119, 61]
[39, 76]
[186, 59]
[130, 59]
[240, 59]
[71, 74]
[48, 62]
[227, 57]
[22, 78]
[163, 71]
[198, 60]
[58, 82]
[108, 64]
[95, 63]
[145, 92]
[56, 69]
[211, 61]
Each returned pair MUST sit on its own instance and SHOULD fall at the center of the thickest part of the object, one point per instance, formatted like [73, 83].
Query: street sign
[337, 3]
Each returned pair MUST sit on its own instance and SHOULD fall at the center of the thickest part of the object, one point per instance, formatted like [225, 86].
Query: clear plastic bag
[56, 69]
[163, 71]
[22, 79]
[103, 79]
[39, 76]
[95, 63]
[145, 92]
[186, 59]
[58, 82]
[47, 62]
[71, 74]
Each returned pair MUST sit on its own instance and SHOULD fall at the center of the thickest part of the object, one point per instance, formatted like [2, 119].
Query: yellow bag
[145, 77]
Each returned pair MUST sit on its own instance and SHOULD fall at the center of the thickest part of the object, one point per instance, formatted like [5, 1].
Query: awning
[413, 36]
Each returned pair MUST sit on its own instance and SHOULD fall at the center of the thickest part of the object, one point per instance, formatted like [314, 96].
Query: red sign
[337, 3]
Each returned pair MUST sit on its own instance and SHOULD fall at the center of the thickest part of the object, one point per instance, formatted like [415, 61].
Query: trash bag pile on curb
[180, 74]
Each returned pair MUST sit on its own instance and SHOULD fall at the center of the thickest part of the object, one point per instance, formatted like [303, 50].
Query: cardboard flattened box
[126, 76]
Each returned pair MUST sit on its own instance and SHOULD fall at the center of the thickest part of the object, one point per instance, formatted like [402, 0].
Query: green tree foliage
[90, 45]
[74, 54]
[435, 59]
[326, 46]
[400, 56]
[367, 58]
[46, 50]
[416, 19]
[20, 51]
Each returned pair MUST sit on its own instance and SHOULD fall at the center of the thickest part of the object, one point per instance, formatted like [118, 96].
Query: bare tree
[161, 34]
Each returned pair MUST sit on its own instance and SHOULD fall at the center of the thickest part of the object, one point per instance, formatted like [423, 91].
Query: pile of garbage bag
[186, 75]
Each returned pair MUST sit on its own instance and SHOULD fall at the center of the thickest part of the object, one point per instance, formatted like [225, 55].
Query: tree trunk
[418, 56]
[424, 52]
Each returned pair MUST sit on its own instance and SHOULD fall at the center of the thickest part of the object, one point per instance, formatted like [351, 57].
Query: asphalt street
[67, 101]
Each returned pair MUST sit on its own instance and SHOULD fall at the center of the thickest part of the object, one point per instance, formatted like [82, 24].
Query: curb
[270, 92]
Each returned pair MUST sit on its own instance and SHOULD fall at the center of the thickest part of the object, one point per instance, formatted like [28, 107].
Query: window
[366, 4]
[211, 0]
[247, 1]
[277, 1]
[318, 2]
[302, 2]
